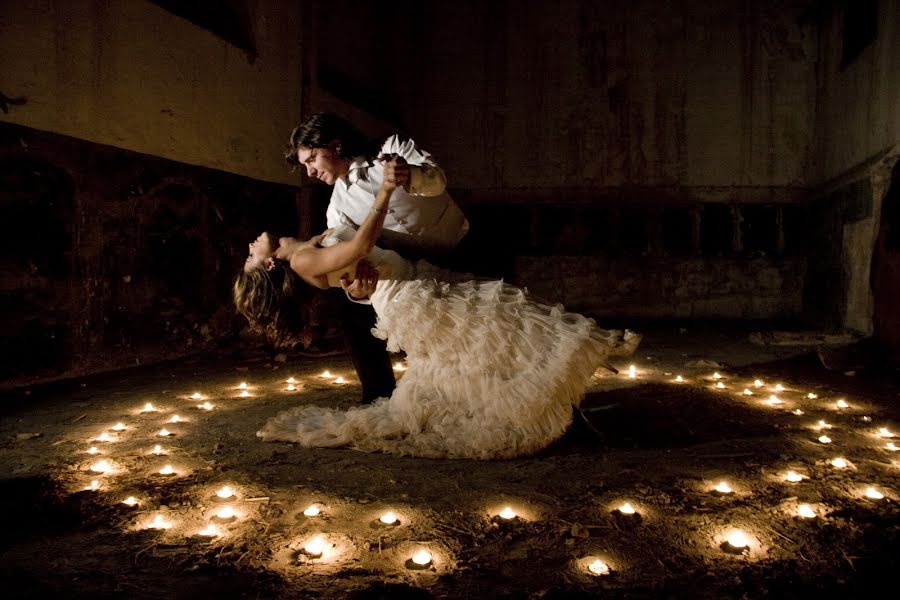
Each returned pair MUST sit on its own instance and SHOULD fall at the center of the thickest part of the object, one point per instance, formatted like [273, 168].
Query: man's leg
[368, 353]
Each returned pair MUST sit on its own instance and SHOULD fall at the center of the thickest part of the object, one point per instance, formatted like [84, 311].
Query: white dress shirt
[424, 221]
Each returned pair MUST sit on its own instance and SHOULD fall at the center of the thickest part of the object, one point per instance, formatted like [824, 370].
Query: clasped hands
[396, 171]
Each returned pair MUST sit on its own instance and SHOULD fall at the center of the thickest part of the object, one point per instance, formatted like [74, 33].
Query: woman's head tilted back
[274, 299]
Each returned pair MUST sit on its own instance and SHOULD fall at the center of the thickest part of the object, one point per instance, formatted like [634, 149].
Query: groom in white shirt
[423, 221]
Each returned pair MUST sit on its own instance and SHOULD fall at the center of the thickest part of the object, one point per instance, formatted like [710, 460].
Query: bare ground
[657, 444]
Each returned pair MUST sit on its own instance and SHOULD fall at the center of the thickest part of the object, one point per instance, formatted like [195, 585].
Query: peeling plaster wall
[129, 74]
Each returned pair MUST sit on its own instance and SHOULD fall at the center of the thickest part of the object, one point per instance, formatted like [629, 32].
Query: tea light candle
[811, 396]
[806, 511]
[797, 411]
[885, 432]
[225, 492]
[244, 394]
[311, 511]
[891, 447]
[92, 450]
[167, 470]
[130, 501]
[507, 513]
[157, 450]
[196, 396]
[94, 486]
[104, 437]
[867, 419]
[822, 425]
[205, 406]
[874, 494]
[839, 463]
[315, 547]
[747, 392]
[758, 383]
[422, 558]
[242, 385]
[632, 372]
[716, 376]
[164, 432]
[291, 387]
[723, 488]
[226, 513]
[779, 387]
[102, 466]
[679, 379]
[737, 540]
[626, 509]
[598, 567]
[209, 531]
[774, 400]
[326, 374]
[159, 522]
[148, 408]
[824, 439]
[388, 518]
[720, 386]
[842, 404]
[290, 380]
[175, 419]
[339, 380]
[793, 477]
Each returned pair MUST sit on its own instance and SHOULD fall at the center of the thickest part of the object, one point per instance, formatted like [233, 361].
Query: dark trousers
[368, 353]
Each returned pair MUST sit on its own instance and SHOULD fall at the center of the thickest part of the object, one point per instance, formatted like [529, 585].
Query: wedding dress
[491, 372]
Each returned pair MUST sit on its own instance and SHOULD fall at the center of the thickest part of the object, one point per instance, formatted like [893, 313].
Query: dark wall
[113, 258]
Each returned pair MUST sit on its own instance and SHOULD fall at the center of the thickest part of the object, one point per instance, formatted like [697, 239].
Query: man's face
[324, 164]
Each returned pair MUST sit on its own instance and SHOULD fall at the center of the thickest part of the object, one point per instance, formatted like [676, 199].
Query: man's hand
[288, 246]
[396, 171]
[364, 284]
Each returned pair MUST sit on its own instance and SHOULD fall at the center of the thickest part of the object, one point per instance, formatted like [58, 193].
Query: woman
[492, 373]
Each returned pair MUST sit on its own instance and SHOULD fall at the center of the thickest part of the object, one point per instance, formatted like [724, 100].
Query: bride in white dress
[492, 372]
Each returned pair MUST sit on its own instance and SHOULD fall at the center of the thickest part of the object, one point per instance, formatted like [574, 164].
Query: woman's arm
[312, 262]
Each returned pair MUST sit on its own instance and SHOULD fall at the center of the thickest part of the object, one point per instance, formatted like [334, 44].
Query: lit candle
[632, 372]
[679, 379]
[774, 400]
[779, 388]
[737, 540]
[291, 387]
[242, 385]
[388, 518]
[892, 447]
[398, 366]
[159, 522]
[723, 488]
[130, 501]
[422, 557]
[758, 383]
[225, 492]
[720, 386]
[885, 432]
[102, 466]
[226, 513]
[93, 486]
[205, 406]
[797, 411]
[824, 439]
[339, 380]
[315, 547]
[598, 567]
[196, 396]
[290, 380]
[92, 450]
[626, 509]
[157, 450]
[874, 494]
[311, 511]
[507, 513]
[867, 419]
[175, 419]
[104, 437]
[793, 477]
[747, 392]
[812, 396]
[717, 376]
[806, 511]
[164, 432]
[326, 374]
[209, 531]
[167, 470]
[148, 408]
[839, 463]
[244, 394]
[842, 403]
[822, 425]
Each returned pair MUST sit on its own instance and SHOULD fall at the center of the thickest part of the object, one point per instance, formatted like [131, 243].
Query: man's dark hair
[321, 129]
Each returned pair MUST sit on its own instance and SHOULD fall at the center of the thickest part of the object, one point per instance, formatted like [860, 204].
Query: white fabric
[492, 373]
[426, 221]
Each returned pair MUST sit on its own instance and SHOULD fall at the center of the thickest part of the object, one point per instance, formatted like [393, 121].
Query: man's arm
[426, 178]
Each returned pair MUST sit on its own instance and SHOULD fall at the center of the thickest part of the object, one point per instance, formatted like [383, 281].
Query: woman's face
[261, 250]
[324, 164]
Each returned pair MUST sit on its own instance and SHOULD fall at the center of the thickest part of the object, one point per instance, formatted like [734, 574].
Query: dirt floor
[658, 444]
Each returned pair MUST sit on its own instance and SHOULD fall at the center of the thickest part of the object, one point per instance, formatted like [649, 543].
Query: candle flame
[874, 494]
[388, 518]
[892, 447]
[774, 400]
[92, 450]
[159, 522]
[885, 432]
[679, 379]
[867, 419]
[290, 380]
[747, 392]
[209, 531]
[130, 501]
[311, 511]
[797, 411]
[723, 488]
[326, 374]
[824, 439]
[823, 425]
[205, 406]
[840, 463]
[793, 477]
[812, 396]
[175, 419]
[716, 375]
[842, 403]
[164, 432]
[339, 380]
[626, 509]
[632, 372]
[242, 385]
[101, 467]
[758, 383]
[806, 511]
[720, 386]
[226, 513]
[119, 427]
[225, 492]
[167, 470]
[422, 557]
[148, 408]
[157, 450]
[93, 486]
[737, 539]
[598, 567]
[779, 388]
[244, 394]
[507, 513]
[196, 396]
[291, 387]
[315, 547]
[104, 437]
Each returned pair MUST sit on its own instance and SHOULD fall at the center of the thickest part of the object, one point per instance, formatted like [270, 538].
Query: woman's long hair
[277, 303]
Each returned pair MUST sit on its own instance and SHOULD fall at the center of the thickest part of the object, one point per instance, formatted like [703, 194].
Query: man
[423, 221]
